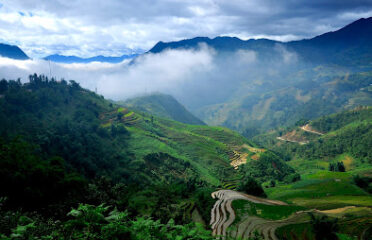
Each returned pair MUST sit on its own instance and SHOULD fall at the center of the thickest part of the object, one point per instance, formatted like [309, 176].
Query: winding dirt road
[307, 128]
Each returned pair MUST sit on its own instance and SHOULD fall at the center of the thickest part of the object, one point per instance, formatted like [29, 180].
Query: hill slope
[99, 138]
[10, 51]
[345, 136]
[61, 145]
[164, 106]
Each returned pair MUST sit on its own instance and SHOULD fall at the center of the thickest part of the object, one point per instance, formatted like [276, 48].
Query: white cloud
[150, 72]
[93, 27]
[200, 76]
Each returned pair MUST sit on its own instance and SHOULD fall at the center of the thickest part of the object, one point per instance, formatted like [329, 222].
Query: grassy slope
[164, 106]
[318, 187]
[345, 139]
[206, 148]
[110, 140]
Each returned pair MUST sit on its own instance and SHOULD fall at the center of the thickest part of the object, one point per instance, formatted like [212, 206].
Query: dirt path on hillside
[307, 128]
[223, 215]
[287, 140]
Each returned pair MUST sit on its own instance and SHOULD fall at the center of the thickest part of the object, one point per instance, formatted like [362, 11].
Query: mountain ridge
[163, 105]
[327, 47]
[12, 51]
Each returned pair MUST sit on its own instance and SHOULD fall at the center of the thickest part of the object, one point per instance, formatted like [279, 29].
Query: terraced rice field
[128, 118]
[223, 216]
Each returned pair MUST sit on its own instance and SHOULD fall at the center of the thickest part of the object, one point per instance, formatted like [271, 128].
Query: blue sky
[115, 27]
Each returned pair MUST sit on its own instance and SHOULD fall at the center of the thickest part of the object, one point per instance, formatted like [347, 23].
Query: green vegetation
[164, 106]
[65, 147]
[269, 167]
[131, 175]
[337, 167]
[250, 186]
[265, 211]
[322, 190]
[101, 222]
[347, 139]
[295, 231]
[323, 227]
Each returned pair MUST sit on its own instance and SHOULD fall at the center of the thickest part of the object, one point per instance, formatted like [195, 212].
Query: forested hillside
[62, 145]
[343, 136]
[164, 106]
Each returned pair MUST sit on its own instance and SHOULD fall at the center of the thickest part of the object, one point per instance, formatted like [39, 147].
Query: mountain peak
[11, 51]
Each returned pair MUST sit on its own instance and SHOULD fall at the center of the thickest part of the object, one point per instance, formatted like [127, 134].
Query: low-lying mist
[196, 77]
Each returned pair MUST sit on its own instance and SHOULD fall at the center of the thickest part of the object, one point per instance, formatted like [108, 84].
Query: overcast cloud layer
[114, 27]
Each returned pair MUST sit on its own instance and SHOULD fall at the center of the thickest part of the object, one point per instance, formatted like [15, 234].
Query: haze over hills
[321, 77]
[164, 106]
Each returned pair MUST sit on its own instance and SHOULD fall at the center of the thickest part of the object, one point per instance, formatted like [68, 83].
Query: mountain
[85, 135]
[258, 112]
[69, 155]
[14, 52]
[74, 59]
[343, 136]
[164, 106]
[350, 45]
[218, 43]
[285, 82]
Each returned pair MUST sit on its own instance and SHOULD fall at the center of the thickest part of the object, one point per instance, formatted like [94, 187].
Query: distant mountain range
[73, 59]
[333, 73]
[14, 52]
[350, 45]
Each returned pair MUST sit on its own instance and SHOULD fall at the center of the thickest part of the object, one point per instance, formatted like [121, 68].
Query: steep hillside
[98, 138]
[10, 51]
[350, 45]
[164, 106]
[62, 145]
[345, 136]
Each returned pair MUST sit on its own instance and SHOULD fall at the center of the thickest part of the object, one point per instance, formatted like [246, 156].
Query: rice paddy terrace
[215, 152]
[225, 223]
[237, 215]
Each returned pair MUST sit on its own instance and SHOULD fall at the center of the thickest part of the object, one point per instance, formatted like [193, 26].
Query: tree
[3, 85]
[324, 228]
[250, 186]
[337, 167]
